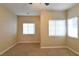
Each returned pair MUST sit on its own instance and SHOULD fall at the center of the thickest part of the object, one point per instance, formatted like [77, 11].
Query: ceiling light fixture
[44, 3]
[30, 3]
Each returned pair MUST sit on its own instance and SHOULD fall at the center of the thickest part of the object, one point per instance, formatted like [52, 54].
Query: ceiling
[24, 9]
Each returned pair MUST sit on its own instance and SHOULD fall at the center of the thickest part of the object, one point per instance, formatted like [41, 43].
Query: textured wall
[8, 25]
[29, 38]
[45, 39]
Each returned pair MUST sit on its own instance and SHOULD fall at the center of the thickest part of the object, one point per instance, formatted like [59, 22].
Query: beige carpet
[35, 50]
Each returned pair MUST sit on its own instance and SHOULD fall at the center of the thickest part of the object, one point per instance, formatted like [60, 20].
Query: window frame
[56, 27]
[77, 28]
[34, 28]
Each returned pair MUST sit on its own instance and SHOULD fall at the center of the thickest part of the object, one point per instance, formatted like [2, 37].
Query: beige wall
[29, 38]
[8, 29]
[47, 41]
[71, 42]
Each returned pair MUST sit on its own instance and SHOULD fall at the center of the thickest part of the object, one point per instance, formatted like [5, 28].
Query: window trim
[34, 28]
[55, 27]
[77, 28]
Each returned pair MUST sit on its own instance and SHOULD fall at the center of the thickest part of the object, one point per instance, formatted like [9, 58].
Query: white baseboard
[54, 47]
[7, 49]
[41, 47]
[74, 51]
[28, 42]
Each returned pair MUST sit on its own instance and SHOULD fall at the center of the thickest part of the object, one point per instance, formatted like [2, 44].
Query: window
[57, 28]
[28, 28]
[73, 27]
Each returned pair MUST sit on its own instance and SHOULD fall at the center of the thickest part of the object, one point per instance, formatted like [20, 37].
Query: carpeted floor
[35, 50]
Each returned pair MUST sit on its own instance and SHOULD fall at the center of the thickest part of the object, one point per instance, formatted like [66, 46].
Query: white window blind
[57, 28]
[28, 28]
[73, 27]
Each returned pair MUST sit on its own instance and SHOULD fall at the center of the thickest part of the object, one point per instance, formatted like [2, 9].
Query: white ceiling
[35, 8]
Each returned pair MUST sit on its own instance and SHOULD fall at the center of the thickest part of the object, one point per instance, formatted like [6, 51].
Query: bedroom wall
[47, 41]
[8, 28]
[23, 38]
[73, 42]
